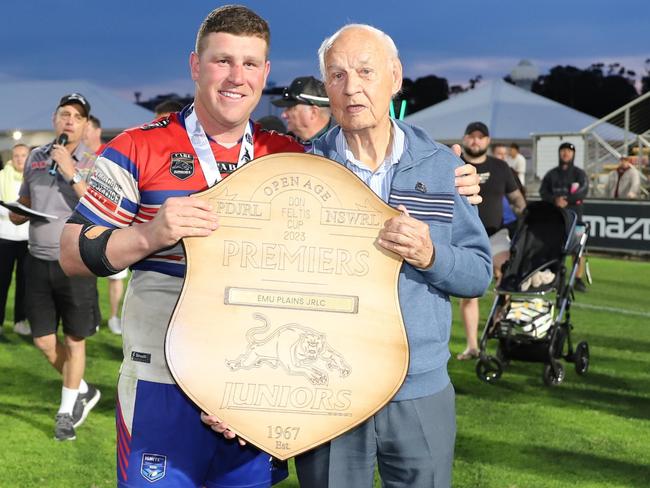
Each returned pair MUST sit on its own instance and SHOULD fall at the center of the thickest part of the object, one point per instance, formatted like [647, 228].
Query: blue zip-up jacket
[424, 183]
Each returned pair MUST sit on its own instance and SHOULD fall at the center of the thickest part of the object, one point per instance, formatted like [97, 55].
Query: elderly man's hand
[409, 238]
[467, 181]
[220, 427]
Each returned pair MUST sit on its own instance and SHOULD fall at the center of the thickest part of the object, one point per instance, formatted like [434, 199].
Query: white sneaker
[23, 328]
[115, 325]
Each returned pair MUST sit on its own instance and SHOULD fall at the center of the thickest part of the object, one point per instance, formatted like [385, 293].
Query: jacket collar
[419, 146]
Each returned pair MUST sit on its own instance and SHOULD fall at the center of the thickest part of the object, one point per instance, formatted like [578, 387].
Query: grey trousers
[412, 442]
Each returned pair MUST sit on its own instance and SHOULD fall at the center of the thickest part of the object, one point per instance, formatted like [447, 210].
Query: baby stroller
[530, 317]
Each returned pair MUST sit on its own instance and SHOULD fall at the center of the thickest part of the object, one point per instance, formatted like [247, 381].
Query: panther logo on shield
[299, 350]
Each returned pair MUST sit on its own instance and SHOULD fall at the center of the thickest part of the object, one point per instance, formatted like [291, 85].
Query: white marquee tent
[511, 113]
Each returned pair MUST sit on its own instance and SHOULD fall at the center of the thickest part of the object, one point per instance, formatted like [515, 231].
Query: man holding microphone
[54, 178]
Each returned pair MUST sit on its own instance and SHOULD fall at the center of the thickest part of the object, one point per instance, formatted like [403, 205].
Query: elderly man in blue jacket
[445, 250]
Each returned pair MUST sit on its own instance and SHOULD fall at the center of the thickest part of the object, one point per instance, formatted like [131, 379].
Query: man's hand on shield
[220, 427]
[180, 217]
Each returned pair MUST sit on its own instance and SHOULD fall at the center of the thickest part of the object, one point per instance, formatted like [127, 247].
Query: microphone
[62, 140]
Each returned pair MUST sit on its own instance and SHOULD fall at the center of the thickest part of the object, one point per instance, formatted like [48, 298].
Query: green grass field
[591, 431]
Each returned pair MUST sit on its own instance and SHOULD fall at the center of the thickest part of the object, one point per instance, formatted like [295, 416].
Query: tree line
[596, 90]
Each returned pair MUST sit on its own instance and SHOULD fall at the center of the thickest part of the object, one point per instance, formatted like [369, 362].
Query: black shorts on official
[52, 296]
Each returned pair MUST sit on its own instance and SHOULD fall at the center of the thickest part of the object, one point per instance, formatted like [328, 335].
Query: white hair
[329, 41]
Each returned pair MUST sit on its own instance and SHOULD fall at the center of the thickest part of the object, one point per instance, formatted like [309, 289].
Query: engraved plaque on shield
[288, 326]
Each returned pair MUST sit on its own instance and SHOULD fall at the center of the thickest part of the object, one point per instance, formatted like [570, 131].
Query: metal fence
[599, 146]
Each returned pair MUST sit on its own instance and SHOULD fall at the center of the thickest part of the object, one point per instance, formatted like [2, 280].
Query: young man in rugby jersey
[144, 177]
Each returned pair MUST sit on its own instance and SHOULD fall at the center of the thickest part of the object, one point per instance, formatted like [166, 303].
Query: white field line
[624, 311]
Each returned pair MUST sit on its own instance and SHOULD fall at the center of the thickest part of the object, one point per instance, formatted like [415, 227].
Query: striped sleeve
[112, 198]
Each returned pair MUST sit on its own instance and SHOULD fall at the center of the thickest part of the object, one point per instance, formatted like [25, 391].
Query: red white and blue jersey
[135, 174]
[142, 167]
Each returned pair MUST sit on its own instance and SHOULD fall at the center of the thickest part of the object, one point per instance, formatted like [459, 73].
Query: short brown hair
[233, 19]
[95, 122]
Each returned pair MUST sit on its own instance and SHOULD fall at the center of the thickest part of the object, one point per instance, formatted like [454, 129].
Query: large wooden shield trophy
[288, 326]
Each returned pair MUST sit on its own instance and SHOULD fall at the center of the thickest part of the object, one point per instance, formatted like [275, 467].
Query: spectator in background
[566, 186]
[163, 109]
[499, 151]
[306, 109]
[93, 135]
[497, 182]
[93, 139]
[13, 241]
[50, 294]
[517, 162]
[625, 181]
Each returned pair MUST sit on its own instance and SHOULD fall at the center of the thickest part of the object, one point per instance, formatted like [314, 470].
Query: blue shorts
[162, 442]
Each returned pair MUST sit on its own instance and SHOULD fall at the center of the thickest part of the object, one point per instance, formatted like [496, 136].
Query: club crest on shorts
[182, 165]
[154, 467]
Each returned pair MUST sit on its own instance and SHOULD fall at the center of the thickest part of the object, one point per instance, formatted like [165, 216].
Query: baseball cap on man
[77, 98]
[479, 126]
[306, 90]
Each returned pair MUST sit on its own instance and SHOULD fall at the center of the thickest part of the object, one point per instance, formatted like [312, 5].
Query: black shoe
[579, 285]
[84, 404]
[63, 429]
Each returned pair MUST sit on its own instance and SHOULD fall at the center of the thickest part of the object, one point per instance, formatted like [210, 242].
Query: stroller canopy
[541, 242]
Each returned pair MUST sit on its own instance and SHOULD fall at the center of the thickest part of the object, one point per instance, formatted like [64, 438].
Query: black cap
[77, 98]
[306, 90]
[567, 145]
[479, 126]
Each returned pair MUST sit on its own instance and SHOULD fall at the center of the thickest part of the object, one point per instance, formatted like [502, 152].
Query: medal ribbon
[201, 145]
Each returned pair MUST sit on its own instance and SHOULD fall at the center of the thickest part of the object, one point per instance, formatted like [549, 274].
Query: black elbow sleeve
[92, 248]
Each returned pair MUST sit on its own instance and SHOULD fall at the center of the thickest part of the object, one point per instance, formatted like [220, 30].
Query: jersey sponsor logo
[182, 165]
[159, 124]
[225, 168]
[36, 165]
[141, 357]
[106, 190]
[483, 177]
[154, 467]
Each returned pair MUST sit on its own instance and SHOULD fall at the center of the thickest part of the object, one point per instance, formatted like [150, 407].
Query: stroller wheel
[489, 369]
[553, 377]
[581, 358]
